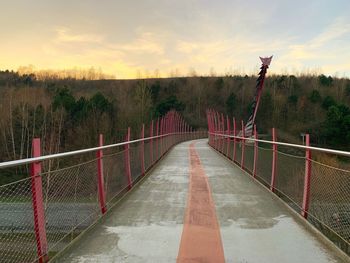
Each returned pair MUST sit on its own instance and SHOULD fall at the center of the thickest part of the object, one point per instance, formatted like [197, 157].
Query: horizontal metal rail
[65, 154]
[326, 150]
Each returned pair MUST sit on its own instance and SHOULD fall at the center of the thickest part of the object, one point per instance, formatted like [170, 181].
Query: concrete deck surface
[147, 225]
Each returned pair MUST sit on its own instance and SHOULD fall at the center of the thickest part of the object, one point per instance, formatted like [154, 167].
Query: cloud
[327, 51]
[65, 35]
[337, 30]
[147, 42]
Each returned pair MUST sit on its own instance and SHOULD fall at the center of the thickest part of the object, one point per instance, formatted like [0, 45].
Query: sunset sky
[179, 36]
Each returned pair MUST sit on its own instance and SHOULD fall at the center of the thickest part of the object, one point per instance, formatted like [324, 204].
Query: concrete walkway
[148, 225]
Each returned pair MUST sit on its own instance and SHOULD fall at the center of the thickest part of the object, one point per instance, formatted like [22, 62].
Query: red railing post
[127, 160]
[38, 205]
[218, 126]
[151, 141]
[211, 129]
[172, 129]
[157, 140]
[161, 138]
[166, 126]
[101, 185]
[243, 145]
[307, 179]
[222, 132]
[181, 129]
[143, 150]
[228, 137]
[215, 124]
[234, 140]
[255, 152]
[209, 125]
[274, 161]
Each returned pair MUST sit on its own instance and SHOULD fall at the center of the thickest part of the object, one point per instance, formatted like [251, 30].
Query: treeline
[69, 113]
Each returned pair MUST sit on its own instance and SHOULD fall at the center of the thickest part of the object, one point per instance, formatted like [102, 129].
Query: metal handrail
[326, 150]
[65, 154]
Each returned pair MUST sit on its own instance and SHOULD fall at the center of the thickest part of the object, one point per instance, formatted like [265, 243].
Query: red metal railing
[317, 186]
[42, 214]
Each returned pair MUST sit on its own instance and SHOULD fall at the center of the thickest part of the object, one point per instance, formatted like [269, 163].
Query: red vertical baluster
[127, 160]
[101, 187]
[307, 180]
[218, 131]
[143, 150]
[243, 145]
[161, 138]
[157, 140]
[228, 137]
[234, 139]
[274, 161]
[255, 152]
[222, 132]
[151, 142]
[38, 205]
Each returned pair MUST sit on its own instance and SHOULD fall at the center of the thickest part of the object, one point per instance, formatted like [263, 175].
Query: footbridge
[178, 195]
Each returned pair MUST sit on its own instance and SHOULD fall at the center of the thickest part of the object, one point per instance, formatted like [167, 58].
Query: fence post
[274, 161]
[222, 132]
[228, 137]
[38, 205]
[218, 126]
[127, 160]
[101, 185]
[157, 140]
[166, 126]
[255, 152]
[210, 128]
[306, 196]
[234, 140]
[243, 145]
[214, 130]
[143, 150]
[151, 141]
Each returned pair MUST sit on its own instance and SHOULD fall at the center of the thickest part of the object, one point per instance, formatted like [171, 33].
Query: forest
[68, 113]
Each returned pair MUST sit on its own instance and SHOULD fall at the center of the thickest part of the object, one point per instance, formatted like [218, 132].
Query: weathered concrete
[255, 227]
[147, 225]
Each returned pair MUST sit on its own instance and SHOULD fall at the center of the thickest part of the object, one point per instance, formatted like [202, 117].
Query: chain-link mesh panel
[329, 207]
[114, 175]
[156, 148]
[329, 199]
[289, 181]
[224, 146]
[239, 151]
[135, 161]
[70, 198]
[264, 165]
[249, 157]
[17, 238]
[148, 162]
[70, 202]
[230, 150]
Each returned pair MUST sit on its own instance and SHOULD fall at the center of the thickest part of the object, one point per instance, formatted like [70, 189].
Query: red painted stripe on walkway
[201, 240]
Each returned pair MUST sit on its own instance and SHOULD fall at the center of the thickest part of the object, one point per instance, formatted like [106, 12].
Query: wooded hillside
[69, 114]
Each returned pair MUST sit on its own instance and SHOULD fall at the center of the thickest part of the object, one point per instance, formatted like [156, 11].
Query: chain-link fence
[314, 182]
[38, 218]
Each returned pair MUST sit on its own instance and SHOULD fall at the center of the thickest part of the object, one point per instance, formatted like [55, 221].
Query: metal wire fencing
[41, 214]
[314, 182]
[17, 238]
